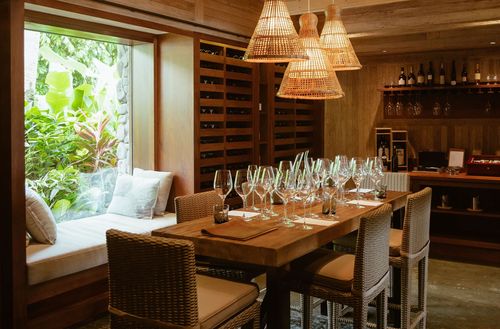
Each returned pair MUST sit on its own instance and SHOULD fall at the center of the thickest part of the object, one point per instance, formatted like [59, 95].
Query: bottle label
[477, 76]
[411, 81]
[420, 79]
[464, 79]
[453, 82]
[401, 82]
[441, 79]
[429, 77]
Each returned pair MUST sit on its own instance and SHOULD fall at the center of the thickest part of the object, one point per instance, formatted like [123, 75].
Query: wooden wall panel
[350, 122]
[12, 207]
[175, 123]
[233, 20]
[143, 107]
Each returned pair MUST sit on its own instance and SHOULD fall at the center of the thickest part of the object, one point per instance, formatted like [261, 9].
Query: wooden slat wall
[350, 121]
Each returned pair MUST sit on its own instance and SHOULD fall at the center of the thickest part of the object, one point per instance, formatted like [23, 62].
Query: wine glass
[262, 185]
[243, 186]
[376, 172]
[436, 108]
[271, 211]
[344, 173]
[285, 165]
[223, 183]
[389, 107]
[399, 107]
[304, 189]
[284, 186]
[329, 186]
[252, 171]
[358, 166]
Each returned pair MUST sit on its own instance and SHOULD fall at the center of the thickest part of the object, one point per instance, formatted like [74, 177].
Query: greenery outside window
[77, 121]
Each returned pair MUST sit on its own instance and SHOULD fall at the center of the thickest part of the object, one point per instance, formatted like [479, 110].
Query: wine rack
[227, 102]
[287, 126]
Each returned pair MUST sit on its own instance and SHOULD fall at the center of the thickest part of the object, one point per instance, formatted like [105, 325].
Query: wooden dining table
[276, 249]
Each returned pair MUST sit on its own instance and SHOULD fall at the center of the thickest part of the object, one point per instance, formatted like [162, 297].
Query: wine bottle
[402, 77]
[411, 77]
[394, 160]
[384, 156]
[464, 74]
[430, 75]
[453, 78]
[420, 75]
[442, 75]
[477, 75]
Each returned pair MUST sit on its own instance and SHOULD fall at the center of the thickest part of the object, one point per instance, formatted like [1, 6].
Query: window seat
[81, 245]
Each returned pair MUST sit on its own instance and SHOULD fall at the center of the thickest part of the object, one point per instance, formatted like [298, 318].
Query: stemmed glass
[271, 211]
[304, 189]
[243, 186]
[284, 187]
[376, 172]
[223, 183]
[263, 182]
[329, 189]
[344, 173]
[358, 166]
[252, 171]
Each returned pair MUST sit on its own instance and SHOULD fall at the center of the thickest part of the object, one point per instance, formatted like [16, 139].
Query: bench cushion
[81, 244]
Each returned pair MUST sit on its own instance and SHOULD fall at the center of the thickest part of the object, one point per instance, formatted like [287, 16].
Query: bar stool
[353, 280]
[409, 247]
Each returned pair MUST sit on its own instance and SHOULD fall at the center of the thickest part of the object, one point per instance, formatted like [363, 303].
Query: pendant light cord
[308, 6]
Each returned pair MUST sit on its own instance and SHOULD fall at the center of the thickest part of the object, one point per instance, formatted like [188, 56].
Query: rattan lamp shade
[335, 41]
[275, 39]
[313, 78]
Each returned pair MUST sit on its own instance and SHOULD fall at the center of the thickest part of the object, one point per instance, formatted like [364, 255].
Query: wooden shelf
[464, 212]
[482, 86]
[233, 86]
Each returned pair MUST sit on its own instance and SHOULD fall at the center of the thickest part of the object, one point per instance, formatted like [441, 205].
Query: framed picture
[456, 158]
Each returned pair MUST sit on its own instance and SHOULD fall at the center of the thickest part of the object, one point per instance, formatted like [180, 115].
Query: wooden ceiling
[379, 27]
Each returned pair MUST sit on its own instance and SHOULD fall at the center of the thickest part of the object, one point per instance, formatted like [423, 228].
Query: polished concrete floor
[460, 295]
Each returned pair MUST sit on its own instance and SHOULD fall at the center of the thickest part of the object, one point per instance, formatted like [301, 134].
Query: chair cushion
[164, 190]
[40, 222]
[81, 244]
[395, 241]
[220, 299]
[323, 267]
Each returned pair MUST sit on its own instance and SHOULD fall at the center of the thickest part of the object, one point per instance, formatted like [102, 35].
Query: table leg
[276, 304]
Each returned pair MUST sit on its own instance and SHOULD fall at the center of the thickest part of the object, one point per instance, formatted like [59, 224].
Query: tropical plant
[70, 123]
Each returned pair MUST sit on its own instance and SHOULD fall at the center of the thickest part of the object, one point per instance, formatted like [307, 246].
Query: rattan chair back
[417, 221]
[152, 281]
[194, 206]
[372, 249]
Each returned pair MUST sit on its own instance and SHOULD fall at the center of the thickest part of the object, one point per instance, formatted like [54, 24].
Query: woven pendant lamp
[335, 41]
[313, 78]
[275, 39]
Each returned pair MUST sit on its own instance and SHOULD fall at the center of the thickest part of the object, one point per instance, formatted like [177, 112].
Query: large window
[77, 121]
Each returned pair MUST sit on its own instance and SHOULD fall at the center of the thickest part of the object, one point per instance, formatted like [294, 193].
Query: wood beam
[12, 207]
[297, 7]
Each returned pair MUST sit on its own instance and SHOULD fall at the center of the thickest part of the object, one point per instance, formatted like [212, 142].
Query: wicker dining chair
[409, 247]
[199, 205]
[346, 279]
[153, 284]
[194, 206]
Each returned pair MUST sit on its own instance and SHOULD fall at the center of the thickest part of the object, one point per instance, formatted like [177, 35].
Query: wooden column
[12, 209]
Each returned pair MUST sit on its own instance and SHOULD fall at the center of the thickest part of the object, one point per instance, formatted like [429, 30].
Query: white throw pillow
[134, 196]
[40, 221]
[165, 178]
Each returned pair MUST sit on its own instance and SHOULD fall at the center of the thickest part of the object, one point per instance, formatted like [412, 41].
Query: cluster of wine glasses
[304, 180]
[395, 106]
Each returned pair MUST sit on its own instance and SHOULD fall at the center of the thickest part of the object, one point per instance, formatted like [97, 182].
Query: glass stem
[285, 212]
